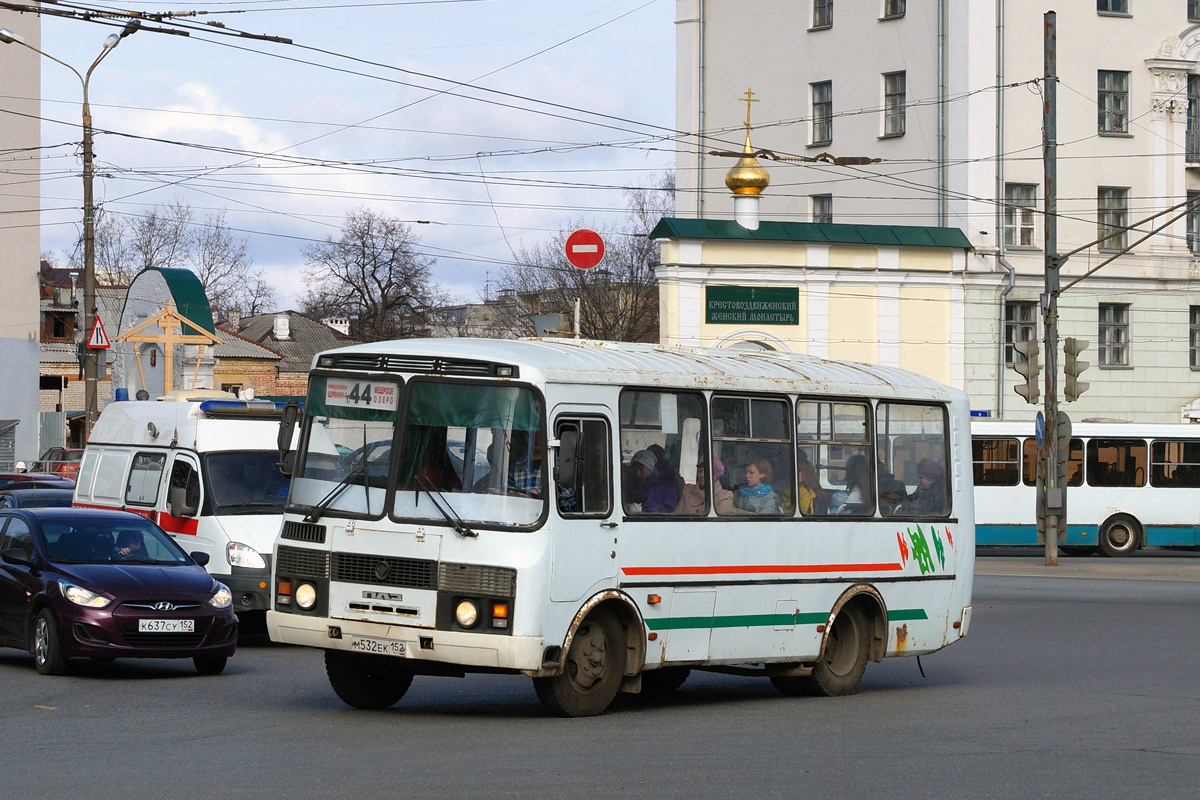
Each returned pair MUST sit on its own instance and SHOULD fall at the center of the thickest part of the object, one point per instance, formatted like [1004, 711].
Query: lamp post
[90, 367]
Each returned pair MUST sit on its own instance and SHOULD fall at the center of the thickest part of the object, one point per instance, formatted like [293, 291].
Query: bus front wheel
[1119, 537]
[370, 682]
[593, 670]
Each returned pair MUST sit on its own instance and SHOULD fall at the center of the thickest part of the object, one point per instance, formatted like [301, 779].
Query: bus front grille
[303, 532]
[302, 563]
[478, 580]
[410, 573]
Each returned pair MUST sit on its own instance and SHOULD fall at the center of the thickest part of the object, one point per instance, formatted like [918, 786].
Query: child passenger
[756, 496]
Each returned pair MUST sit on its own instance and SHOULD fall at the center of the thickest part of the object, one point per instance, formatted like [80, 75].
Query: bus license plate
[380, 647]
[166, 626]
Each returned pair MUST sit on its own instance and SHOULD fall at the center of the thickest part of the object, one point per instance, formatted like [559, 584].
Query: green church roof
[812, 232]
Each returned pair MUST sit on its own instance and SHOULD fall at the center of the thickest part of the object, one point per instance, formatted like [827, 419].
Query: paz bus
[607, 517]
[1128, 486]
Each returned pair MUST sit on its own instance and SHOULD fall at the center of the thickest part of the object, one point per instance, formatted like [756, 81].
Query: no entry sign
[585, 249]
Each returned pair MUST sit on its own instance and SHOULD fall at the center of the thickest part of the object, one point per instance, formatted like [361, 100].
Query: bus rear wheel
[370, 682]
[593, 671]
[1119, 537]
[841, 665]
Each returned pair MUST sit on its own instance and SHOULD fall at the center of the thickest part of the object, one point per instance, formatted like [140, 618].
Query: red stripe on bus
[761, 569]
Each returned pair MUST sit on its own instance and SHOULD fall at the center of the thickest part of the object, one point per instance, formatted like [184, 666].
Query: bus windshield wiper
[317, 510]
[436, 496]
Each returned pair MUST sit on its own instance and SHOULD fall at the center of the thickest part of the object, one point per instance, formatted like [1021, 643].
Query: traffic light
[1074, 367]
[1028, 368]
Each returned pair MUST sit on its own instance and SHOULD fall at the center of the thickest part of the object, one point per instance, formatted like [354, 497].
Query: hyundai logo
[381, 570]
[163, 605]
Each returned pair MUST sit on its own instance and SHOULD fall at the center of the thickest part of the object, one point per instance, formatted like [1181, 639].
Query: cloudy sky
[569, 102]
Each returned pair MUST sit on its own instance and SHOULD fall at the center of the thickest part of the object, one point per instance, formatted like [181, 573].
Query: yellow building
[879, 294]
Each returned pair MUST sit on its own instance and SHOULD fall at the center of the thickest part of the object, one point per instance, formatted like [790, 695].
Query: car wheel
[47, 651]
[210, 665]
[370, 682]
[592, 675]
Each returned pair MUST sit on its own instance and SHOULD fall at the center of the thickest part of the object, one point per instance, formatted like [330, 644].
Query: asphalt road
[1070, 684]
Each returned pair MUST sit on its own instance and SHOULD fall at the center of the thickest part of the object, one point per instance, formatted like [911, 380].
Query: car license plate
[381, 647]
[166, 626]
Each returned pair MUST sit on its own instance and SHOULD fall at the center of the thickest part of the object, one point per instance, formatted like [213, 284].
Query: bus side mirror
[568, 450]
[177, 505]
[287, 428]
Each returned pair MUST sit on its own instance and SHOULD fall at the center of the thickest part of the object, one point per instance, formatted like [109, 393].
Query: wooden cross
[169, 321]
[749, 98]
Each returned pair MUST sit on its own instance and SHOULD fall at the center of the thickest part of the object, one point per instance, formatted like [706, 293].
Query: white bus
[761, 513]
[1129, 486]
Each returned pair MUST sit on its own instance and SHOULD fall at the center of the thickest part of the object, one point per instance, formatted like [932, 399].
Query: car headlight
[243, 555]
[83, 597]
[466, 614]
[306, 596]
[222, 598]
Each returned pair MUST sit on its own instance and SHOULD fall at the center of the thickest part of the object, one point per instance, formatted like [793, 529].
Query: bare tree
[618, 300]
[373, 274]
[168, 237]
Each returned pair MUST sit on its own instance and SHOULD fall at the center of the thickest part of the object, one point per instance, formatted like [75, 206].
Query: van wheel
[47, 650]
[592, 675]
[664, 680]
[370, 682]
[1119, 536]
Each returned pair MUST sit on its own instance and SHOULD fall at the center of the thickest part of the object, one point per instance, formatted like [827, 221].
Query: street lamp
[90, 370]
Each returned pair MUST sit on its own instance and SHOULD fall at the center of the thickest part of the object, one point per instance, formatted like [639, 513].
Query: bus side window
[836, 454]
[661, 443]
[590, 494]
[752, 439]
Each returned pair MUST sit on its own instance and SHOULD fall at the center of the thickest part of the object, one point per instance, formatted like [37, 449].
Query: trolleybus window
[997, 461]
[1175, 463]
[475, 450]
[912, 450]
[1116, 462]
[662, 442]
[1074, 465]
[835, 439]
[752, 439]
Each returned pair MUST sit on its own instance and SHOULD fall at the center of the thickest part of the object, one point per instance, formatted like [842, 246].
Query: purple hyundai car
[107, 584]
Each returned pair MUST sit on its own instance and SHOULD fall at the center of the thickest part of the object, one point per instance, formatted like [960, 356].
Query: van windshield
[245, 482]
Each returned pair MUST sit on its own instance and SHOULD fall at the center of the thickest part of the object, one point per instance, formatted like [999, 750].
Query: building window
[1020, 325]
[58, 326]
[232, 388]
[895, 8]
[1193, 10]
[1020, 205]
[1112, 6]
[1194, 337]
[1113, 99]
[893, 103]
[822, 208]
[1114, 335]
[1193, 222]
[1192, 141]
[822, 112]
[822, 13]
[1112, 217]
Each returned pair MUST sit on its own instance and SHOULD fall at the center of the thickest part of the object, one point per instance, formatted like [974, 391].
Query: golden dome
[747, 176]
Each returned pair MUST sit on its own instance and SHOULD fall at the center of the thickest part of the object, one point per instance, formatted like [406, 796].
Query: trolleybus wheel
[843, 663]
[47, 651]
[371, 682]
[664, 680]
[1119, 536]
[592, 674]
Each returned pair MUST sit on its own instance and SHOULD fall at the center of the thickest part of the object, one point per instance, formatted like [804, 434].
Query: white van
[205, 471]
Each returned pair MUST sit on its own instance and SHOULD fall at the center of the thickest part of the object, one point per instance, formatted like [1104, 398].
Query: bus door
[582, 516]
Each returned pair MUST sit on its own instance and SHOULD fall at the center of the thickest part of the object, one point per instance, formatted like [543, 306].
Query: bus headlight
[243, 555]
[306, 596]
[466, 614]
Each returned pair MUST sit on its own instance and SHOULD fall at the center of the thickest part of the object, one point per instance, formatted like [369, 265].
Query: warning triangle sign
[99, 339]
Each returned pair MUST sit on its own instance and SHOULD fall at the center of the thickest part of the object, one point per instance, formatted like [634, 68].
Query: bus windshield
[349, 424]
[476, 449]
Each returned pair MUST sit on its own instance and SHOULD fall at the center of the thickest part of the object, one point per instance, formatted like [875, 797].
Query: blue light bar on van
[241, 408]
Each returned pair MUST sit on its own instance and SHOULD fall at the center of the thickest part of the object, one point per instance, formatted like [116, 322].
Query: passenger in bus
[756, 496]
[650, 489]
[813, 497]
[667, 467]
[525, 464]
[694, 498]
[854, 498]
[930, 496]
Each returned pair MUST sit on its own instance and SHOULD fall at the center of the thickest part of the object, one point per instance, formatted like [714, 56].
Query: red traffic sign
[99, 339]
[585, 249]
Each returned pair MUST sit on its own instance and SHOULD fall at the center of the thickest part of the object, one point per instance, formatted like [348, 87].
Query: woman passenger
[813, 497]
[756, 495]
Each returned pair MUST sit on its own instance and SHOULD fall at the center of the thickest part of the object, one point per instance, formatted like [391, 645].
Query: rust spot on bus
[902, 637]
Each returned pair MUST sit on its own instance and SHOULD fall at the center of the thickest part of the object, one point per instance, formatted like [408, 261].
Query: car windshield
[109, 541]
[246, 482]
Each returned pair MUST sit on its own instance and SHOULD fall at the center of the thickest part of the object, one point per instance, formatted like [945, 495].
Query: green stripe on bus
[763, 620]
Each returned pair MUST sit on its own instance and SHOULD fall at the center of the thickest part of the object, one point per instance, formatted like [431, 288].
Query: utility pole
[1050, 500]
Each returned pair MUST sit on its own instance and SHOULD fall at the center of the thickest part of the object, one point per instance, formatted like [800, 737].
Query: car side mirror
[177, 504]
[15, 555]
[568, 454]
[200, 558]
